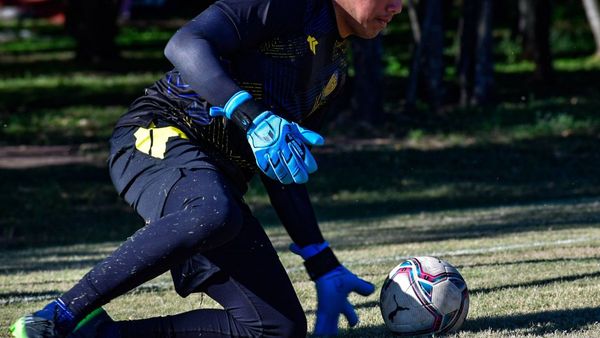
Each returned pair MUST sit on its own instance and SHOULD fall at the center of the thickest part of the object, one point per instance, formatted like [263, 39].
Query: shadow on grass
[10, 297]
[518, 101]
[20, 266]
[32, 100]
[427, 229]
[526, 99]
[529, 261]
[77, 203]
[60, 205]
[387, 182]
[537, 324]
[536, 283]
[60, 61]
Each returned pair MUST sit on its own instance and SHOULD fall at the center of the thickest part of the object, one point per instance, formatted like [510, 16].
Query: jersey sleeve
[294, 209]
[226, 27]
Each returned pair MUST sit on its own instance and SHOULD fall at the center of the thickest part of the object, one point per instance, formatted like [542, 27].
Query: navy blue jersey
[287, 54]
[290, 57]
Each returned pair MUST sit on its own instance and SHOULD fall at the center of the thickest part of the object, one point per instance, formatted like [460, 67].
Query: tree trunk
[93, 25]
[414, 21]
[526, 27]
[466, 53]
[428, 52]
[413, 76]
[593, 15]
[434, 54]
[484, 66]
[535, 21]
[475, 60]
[544, 70]
[368, 79]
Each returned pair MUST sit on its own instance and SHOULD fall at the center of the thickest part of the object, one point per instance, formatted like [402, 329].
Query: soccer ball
[424, 295]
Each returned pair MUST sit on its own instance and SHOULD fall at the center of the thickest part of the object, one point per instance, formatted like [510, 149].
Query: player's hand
[333, 289]
[280, 148]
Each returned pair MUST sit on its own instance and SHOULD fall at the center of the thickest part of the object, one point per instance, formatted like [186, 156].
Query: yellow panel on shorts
[153, 140]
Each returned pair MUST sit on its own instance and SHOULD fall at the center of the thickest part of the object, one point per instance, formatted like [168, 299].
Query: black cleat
[43, 323]
[33, 326]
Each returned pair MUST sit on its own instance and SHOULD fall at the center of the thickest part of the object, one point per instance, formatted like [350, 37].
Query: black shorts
[154, 178]
[145, 163]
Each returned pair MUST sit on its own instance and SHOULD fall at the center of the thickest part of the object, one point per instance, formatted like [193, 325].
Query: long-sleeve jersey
[287, 54]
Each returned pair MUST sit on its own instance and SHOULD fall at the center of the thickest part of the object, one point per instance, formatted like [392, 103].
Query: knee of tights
[215, 225]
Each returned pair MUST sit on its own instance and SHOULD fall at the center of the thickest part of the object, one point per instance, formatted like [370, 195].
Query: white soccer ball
[424, 295]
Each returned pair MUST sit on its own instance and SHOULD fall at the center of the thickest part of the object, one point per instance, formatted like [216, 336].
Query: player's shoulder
[274, 13]
[280, 7]
[290, 8]
[303, 13]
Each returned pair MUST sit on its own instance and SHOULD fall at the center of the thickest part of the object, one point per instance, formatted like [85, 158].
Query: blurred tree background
[446, 74]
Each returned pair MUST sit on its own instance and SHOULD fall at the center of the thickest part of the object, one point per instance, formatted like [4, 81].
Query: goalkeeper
[251, 81]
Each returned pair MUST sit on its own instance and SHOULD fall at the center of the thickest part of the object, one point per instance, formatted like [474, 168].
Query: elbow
[174, 48]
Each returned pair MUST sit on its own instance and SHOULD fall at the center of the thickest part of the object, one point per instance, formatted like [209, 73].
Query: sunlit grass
[70, 123]
[48, 39]
[560, 64]
[38, 45]
[87, 79]
[25, 97]
[528, 277]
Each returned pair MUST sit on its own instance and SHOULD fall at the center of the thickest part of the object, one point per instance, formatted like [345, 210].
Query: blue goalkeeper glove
[279, 146]
[333, 287]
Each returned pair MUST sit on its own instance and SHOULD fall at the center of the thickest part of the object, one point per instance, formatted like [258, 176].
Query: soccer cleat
[94, 325]
[54, 320]
[32, 326]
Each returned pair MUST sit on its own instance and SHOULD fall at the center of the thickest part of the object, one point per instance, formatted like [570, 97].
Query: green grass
[519, 220]
[527, 275]
[63, 125]
[36, 104]
[72, 203]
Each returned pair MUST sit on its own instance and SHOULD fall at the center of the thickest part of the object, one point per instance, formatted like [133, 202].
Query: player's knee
[219, 223]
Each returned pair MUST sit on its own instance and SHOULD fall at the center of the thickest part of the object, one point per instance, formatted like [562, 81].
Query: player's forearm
[293, 206]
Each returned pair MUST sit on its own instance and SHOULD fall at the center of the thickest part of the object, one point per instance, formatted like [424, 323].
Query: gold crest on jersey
[312, 44]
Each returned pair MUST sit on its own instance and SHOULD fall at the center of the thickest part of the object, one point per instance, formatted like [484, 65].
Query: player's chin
[373, 29]
[369, 33]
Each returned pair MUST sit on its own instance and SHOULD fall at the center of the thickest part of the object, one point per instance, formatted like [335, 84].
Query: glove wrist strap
[240, 108]
[235, 101]
[245, 113]
[321, 263]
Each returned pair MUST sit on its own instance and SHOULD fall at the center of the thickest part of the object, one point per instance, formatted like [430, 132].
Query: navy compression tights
[201, 217]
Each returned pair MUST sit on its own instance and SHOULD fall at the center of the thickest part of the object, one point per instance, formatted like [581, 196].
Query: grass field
[532, 269]
[510, 194]
[521, 221]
